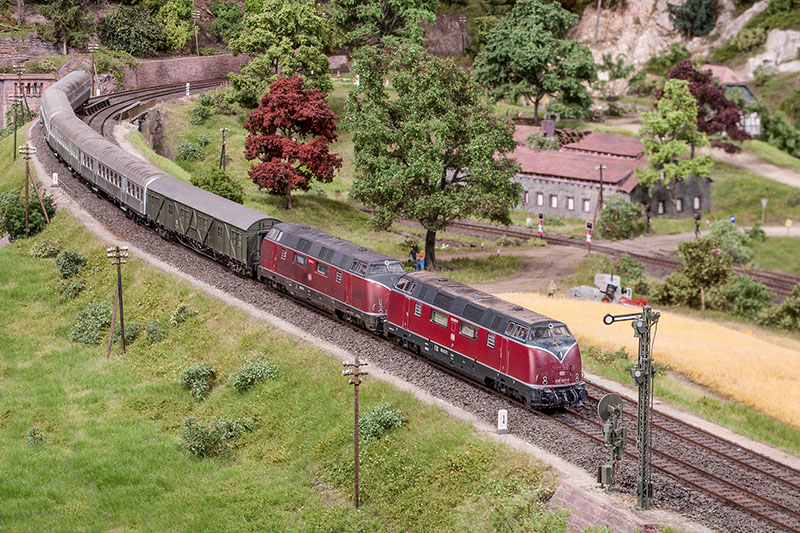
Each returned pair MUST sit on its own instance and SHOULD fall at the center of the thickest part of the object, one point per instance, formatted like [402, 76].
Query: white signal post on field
[502, 421]
[763, 209]
[195, 18]
[27, 152]
[93, 48]
[356, 373]
[117, 254]
[222, 155]
[188, 88]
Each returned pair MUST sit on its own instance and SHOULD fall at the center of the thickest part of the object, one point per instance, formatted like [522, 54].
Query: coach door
[408, 308]
[504, 354]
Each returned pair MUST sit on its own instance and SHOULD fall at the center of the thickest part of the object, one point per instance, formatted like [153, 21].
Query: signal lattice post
[27, 152]
[117, 255]
[642, 375]
[355, 381]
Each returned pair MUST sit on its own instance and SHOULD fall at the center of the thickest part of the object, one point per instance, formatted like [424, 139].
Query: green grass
[13, 171]
[772, 155]
[471, 271]
[161, 162]
[778, 253]
[777, 89]
[113, 460]
[737, 191]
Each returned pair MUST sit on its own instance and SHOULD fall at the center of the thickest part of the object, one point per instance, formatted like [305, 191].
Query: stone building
[33, 85]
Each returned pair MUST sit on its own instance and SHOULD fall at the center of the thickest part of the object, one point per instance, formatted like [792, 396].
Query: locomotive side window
[405, 285]
[490, 340]
[322, 269]
[468, 330]
[418, 309]
[338, 276]
[438, 318]
[358, 267]
[300, 259]
[275, 234]
[515, 330]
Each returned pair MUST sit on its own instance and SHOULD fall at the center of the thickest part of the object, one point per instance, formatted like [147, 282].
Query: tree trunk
[64, 47]
[288, 198]
[597, 24]
[692, 157]
[20, 12]
[702, 298]
[430, 250]
[536, 111]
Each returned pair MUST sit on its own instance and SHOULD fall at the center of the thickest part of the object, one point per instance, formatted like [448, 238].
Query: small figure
[551, 289]
[421, 261]
[647, 212]
[412, 255]
[696, 225]
[481, 246]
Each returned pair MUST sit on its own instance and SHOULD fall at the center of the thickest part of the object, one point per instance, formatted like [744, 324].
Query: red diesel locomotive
[518, 352]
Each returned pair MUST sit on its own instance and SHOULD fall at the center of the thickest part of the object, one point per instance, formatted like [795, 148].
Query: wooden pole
[113, 320]
[38, 194]
[357, 381]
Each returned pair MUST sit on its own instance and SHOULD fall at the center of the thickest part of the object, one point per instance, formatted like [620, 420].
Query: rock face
[781, 47]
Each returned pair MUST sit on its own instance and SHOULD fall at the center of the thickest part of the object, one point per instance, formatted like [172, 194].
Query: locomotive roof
[203, 201]
[470, 303]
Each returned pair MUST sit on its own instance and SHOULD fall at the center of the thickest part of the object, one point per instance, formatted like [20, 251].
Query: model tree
[695, 17]
[527, 56]
[290, 132]
[382, 22]
[433, 151]
[667, 134]
[705, 264]
[284, 37]
[70, 23]
[716, 114]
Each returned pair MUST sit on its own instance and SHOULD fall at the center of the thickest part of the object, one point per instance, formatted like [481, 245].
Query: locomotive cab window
[517, 331]
[405, 285]
[358, 267]
[322, 269]
[275, 234]
[468, 330]
[438, 318]
[300, 259]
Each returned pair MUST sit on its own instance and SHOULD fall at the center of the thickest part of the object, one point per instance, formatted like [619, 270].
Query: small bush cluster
[203, 139]
[91, 323]
[749, 39]
[133, 30]
[132, 331]
[198, 378]
[69, 289]
[252, 372]
[228, 23]
[154, 331]
[199, 114]
[620, 219]
[69, 263]
[12, 214]
[215, 439]
[741, 295]
[733, 241]
[508, 242]
[630, 267]
[786, 315]
[190, 151]
[35, 437]
[180, 314]
[215, 180]
[677, 290]
[381, 420]
[793, 199]
[538, 142]
[46, 248]
[660, 64]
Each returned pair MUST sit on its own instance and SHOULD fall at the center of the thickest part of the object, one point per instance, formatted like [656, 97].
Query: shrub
[228, 23]
[793, 199]
[507, 242]
[756, 234]
[725, 52]
[70, 289]
[180, 314]
[695, 17]
[538, 142]
[677, 290]
[69, 263]
[620, 219]
[762, 74]
[45, 248]
[780, 133]
[133, 30]
[375, 424]
[786, 315]
[215, 439]
[204, 100]
[733, 241]
[203, 139]
[631, 268]
[190, 151]
[206, 51]
[222, 103]
[174, 17]
[199, 114]
[791, 106]
[35, 437]
[742, 295]
[252, 372]
[660, 64]
[215, 180]
[12, 214]
[642, 286]
[198, 378]
[132, 331]
[154, 332]
[749, 39]
[91, 323]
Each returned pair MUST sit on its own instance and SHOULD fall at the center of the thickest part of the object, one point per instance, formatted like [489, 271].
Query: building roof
[521, 132]
[724, 74]
[609, 144]
[576, 165]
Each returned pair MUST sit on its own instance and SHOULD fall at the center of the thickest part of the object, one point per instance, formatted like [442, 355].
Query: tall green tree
[669, 136]
[695, 17]
[527, 56]
[435, 152]
[362, 22]
[284, 37]
[70, 23]
[705, 264]
[175, 17]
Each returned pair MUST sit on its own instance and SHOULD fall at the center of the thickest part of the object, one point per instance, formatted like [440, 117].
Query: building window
[468, 330]
[525, 200]
[587, 205]
[554, 201]
[540, 199]
[490, 340]
[300, 259]
[679, 205]
[438, 318]
[660, 207]
[418, 309]
[696, 203]
[570, 203]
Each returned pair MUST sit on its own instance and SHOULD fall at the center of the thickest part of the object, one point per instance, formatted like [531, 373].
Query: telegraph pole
[601, 168]
[20, 70]
[27, 152]
[195, 18]
[93, 47]
[14, 98]
[355, 381]
[117, 255]
[642, 375]
[222, 155]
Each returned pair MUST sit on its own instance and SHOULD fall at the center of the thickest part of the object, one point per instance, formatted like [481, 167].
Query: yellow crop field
[754, 371]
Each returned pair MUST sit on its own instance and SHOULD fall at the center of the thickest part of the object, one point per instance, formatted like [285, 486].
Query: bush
[756, 234]
[203, 139]
[180, 314]
[174, 17]
[35, 437]
[742, 295]
[70, 289]
[375, 424]
[660, 64]
[252, 372]
[154, 332]
[198, 378]
[190, 151]
[642, 286]
[69, 263]
[45, 248]
[507, 242]
[749, 39]
[133, 30]
[791, 106]
[222, 103]
[696, 18]
[215, 180]
[733, 241]
[199, 114]
[725, 52]
[538, 142]
[132, 330]
[631, 268]
[780, 133]
[620, 219]
[12, 214]
[206, 51]
[762, 74]
[786, 315]
[91, 323]
[228, 23]
[215, 439]
[677, 290]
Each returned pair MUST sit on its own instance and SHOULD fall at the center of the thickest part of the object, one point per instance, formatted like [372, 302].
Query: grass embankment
[737, 191]
[772, 155]
[112, 458]
[13, 176]
[752, 376]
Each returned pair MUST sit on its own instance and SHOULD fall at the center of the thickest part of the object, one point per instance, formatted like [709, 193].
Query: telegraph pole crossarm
[356, 373]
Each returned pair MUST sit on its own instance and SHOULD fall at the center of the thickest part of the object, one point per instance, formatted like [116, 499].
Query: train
[525, 355]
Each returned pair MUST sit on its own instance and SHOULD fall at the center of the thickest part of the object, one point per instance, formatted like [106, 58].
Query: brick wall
[13, 50]
[160, 72]
[446, 36]
[586, 510]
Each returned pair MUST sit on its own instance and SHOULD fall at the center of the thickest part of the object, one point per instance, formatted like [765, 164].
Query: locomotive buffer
[642, 375]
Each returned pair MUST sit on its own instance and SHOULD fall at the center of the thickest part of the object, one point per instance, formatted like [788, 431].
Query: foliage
[228, 23]
[12, 214]
[114, 62]
[380, 421]
[24, 114]
[290, 133]
[180, 314]
[382, 22]
[528, 56]
[91, 323]
[791, 106]
[667, 133]
[749, 39]
[537, 142]
[695, 17]
[215, 439]
[215, 180]
[732, 241]
[725, 53]
[198, 378]
[252, 372]
[45, 248]
[190, 151]
[70, 289]
[756, 234]
[174, 17]
[778, 130]
[154, 331]
[285, 37]
[617, 69]
[69, 23]
[69, 263]
[35, 437]
[786, 315]
[132, 331]
[435, 152]
[660, 64]
[199, 114]
[704, 264]
[742, 295]
[203, 139]
[631, 268]
[133, 30]
[677, 290]
[620, 219]
[779, 14]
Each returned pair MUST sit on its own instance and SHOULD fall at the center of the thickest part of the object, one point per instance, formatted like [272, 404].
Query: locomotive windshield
[392, 267]
[558, 330]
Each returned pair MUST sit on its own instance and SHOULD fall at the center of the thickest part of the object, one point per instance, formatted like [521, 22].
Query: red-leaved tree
[716, 114]
[290, 131]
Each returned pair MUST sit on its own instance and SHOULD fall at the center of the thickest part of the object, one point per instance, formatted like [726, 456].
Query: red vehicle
[523, 354]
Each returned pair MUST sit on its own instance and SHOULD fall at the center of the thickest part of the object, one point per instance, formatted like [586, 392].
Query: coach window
[438, 318]
[490, 340]
[322, 269]
[169, 212]
[300, 259]
[418, 309]
[468, 330]
[219, 228]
